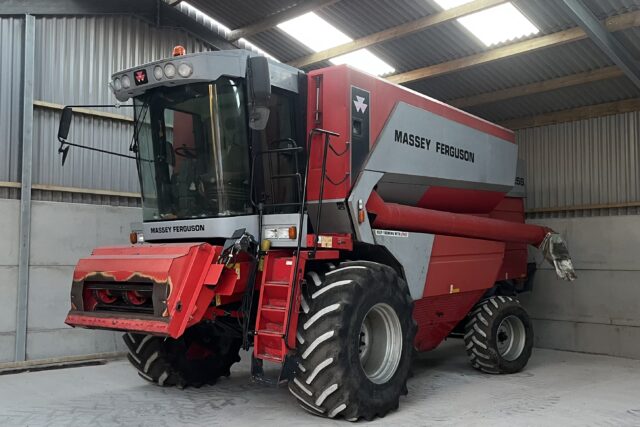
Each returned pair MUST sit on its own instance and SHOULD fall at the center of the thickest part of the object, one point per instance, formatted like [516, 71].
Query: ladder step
[269, 333]
[275, 333]
[277, 283]
[272, 307]
[270, 357]
[270, 328]
[286, 175]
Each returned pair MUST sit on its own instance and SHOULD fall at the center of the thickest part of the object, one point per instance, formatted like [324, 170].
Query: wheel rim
[511, 337]
[380, 345]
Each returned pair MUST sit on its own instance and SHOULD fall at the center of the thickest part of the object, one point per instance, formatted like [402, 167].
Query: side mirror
[65, 123]
[259, 83]
[63, 132]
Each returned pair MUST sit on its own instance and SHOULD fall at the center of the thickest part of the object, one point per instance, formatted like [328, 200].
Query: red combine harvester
[332, 221]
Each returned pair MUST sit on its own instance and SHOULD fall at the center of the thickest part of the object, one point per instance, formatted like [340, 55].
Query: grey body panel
[361, 191]
[207, 66]
[223, 227]
[486, 162]
[413, 252]
[401, 191]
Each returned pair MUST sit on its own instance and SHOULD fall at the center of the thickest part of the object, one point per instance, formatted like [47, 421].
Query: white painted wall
[9, 211]
[600, 311]
[61, 233]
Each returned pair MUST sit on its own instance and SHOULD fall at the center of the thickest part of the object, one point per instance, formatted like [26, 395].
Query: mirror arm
[63, 132]
[101, 106]
[65, 145]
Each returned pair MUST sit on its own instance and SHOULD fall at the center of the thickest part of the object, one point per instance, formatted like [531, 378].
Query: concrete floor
[557, 388]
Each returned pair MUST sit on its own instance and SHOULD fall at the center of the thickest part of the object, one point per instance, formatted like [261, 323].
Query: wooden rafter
[275, 19]
[574, 114]
[538, 87]
[616, 23]
[396, 32]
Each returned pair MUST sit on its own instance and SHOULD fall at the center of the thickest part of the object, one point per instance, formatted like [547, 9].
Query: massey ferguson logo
[140, 77]
[361, 107]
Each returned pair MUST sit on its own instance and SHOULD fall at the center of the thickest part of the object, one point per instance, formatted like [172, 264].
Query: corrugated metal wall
[79, 54]
[583, 163]
[74, 58]
[11, 34]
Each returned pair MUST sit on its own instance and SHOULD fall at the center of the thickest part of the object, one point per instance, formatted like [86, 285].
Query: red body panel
[460, 272]
[334, 114]
[437, 316]
[462, 265]
[184, 272]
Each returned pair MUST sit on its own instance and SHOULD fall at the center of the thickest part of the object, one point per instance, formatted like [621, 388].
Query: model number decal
[392, 233]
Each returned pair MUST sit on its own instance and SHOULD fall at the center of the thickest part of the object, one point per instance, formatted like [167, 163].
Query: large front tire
[195, 359]
[355, 341]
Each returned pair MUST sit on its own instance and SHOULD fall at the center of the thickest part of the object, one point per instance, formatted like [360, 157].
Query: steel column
[606, 41]
[25, 195]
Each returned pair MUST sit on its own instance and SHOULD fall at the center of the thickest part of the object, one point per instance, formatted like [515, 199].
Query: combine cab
[332, 221]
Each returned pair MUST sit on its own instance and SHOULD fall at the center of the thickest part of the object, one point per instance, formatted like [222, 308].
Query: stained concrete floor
[557, 388]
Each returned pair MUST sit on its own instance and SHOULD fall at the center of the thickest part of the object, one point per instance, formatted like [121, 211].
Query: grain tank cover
[417, 146]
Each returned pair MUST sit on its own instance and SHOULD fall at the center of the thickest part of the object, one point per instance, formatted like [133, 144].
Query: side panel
[462, 265]
[418, 143]
[460, 272]
[413, 250]
[437, 316]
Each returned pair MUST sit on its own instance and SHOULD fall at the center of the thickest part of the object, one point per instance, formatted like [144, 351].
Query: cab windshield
[193, 151]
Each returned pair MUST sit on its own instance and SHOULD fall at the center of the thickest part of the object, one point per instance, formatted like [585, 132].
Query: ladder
[276, 296]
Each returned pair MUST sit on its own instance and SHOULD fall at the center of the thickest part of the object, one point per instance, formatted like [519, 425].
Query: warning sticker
[325, 241]
[391, 233]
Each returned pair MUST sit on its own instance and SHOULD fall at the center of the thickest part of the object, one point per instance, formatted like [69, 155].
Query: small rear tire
[499, 336]
[355, 341]
[195, 359]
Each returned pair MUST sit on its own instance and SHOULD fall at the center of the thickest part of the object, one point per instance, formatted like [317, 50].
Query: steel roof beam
[275, 19]
[606, 41]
